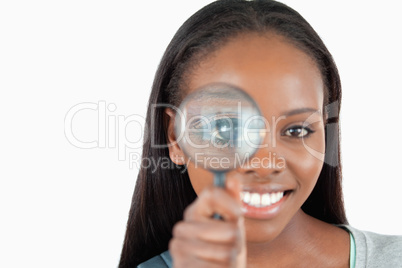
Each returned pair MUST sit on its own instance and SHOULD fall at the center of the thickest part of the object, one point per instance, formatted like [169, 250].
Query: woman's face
[287, 86]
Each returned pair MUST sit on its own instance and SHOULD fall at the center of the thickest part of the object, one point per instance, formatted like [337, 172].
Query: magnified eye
[298, 132]
[219, 129]
[225, 130]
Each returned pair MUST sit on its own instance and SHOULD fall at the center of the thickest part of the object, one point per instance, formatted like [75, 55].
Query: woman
[268, 50]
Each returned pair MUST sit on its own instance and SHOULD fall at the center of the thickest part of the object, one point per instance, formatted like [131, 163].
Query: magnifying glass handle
[219, 181]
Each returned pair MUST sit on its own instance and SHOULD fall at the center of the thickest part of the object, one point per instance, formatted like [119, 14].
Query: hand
[201, 241]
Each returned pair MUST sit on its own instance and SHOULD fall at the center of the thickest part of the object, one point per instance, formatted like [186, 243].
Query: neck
[297, 237]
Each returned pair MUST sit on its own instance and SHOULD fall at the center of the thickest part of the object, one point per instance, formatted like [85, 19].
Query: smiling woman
[285, 214]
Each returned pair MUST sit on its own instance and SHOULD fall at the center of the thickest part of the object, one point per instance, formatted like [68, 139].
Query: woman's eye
[298, 132]
[226, 130]
[222, 130]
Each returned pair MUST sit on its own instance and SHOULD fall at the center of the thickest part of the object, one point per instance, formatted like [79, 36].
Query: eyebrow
[300, 111]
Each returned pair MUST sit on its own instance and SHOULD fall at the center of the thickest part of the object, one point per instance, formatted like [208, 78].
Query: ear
[176, 154]
[325, 117]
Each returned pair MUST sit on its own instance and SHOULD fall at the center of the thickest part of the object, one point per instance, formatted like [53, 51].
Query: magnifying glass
[219, 127]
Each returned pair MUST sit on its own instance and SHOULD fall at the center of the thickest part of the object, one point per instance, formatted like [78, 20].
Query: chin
[262, 231]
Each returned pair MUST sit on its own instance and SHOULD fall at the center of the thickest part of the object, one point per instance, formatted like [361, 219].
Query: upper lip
[265, 188]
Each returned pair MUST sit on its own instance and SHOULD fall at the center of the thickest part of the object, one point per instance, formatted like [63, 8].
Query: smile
[263, 205]
[260, 200]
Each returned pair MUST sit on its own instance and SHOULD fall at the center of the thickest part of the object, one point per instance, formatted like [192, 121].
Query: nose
[266, 162]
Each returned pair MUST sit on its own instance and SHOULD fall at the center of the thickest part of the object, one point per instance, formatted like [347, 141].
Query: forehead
[279, 76]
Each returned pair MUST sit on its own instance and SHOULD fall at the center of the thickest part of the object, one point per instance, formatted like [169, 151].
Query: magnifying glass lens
[219, 124]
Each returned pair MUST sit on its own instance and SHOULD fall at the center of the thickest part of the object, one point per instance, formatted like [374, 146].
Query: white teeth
[246, 197]
[274, 198]
[255, 200]
[258, 200]
[265, 200]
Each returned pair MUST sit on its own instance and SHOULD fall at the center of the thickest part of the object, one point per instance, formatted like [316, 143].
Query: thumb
[233, 186]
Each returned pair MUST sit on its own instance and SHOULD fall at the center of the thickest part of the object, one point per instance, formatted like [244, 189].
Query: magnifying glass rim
[177, 128]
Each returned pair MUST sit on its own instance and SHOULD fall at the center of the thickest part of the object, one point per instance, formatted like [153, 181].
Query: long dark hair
[161, 194]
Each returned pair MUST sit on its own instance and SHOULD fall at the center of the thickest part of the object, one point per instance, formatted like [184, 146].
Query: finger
[182, 249]
[209, 231]
[233, 186]
[213, 200]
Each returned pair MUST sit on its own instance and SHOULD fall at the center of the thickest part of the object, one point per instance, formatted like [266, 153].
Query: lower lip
[265, 213]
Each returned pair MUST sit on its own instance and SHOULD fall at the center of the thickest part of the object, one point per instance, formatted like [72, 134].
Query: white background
[62, 206]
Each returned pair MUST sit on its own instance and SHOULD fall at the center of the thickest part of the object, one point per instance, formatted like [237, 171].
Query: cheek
[306, 160]
[200, 178]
